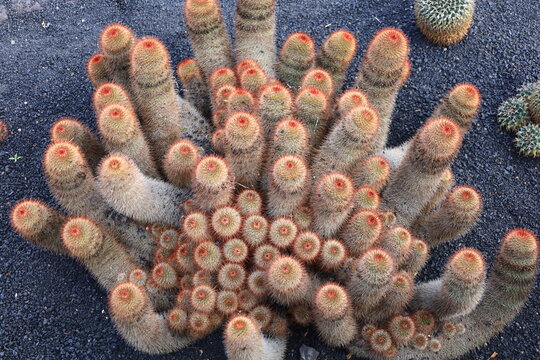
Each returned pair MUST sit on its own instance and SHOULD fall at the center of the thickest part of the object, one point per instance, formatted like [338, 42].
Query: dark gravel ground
[52, 309]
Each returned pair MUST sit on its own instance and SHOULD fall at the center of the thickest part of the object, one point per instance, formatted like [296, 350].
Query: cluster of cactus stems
[297, 212]
[521, 114]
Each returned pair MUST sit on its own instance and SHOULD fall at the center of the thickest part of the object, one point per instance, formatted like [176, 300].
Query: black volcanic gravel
[52, 309]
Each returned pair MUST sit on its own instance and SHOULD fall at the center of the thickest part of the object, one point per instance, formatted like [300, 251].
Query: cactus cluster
[444, 22]
[297, 211]
[521, 114]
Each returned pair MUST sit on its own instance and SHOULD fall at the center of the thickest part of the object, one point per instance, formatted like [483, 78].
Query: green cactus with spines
[528, 140]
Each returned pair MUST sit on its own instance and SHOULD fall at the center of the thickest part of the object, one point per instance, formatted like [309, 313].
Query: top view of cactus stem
[267, 196]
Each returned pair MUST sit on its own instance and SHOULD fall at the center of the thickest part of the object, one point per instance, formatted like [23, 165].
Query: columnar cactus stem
[457, 215]
[180, 161]
[373, 171]
[333, 255]
[255, 33]
[397, 241]
[348, 100]
[220, 77]
[165, 117]
[195, 89]
[385, 67]
[253, 78]
[445, 185]
[254, 230]
[319, 79]
[208, 34]
[130, 192]
[460, 104]
[110, 93]
[245, 341]
[212, 183]
[348, 142]
[417, 257]
[361, 231]
[275, 104]
[460, 289]
[73, 186]
[39, 224]
[331, 201]
[101, 254]
[143, 328]
[336, 54]
[97, 73]
[395, 300]
[287, 280]
[244, 147]
[68, 129]
[370, 279]
[282, 232]
[416, 179]
[297, 56]
[121, 133]
[312, 108]
[240, 100]
[115, 43]
[333, 315]
[288, 185]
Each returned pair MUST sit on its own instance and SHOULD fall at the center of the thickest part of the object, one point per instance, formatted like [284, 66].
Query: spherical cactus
[534, 104]
[333, 254]
[331, 302]
[203, 298]
[196, 226]
[207, 256]
[199, 324]
[443, 22]
[235, 250]
[513, 114]
[282, 232]
[256, 283]
[226, 222]
[528, 140]
[264, 255]
[164, 276]
[287, 280]
[424, 321]
[177, 319]
[380, 341]
[82, 237]
[249, 202]
[222, 77]
[401, 328]
[367, 198]
[262, 315]
[307, 246]
[128, 302]
[212, 183]
[169, 239]
[254, 230]
[243, 336]
[110, 93]
[227, 302]
[351, 99]
[361, 231]
[231, 277]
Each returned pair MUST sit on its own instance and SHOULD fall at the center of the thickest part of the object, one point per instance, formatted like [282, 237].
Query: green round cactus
[444, 22]
[534, 104]
[512, 114]
[528, 140]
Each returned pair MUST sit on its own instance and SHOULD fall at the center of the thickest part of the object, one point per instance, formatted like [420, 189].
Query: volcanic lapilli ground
[52, 308]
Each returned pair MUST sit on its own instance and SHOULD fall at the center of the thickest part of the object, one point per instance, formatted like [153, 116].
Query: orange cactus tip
[226, 221]
[82, 237]
[341, 44]
[390, 43]
[401, 328]
[364, 121]
[241, 327]
[29, 217]
[116, 38]
[149, 52]
[67, 129]
[335, 188]
[331, 301]
[307, 246]
[221, 77]
[127, 302]
[63, 157]
[465, 198]
[212, 171]
[282, 232]
[439, 137]
[289, 172]
[520, 248]
[285, 274]
[203, 298]
[424, 321]
[465, 96]
[231, 276]
[467, 265]
[380, 341]
[350, 99]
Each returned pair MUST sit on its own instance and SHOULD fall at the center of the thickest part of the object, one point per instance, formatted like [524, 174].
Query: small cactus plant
[444, 22]
[520, 114]
[298, 203]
